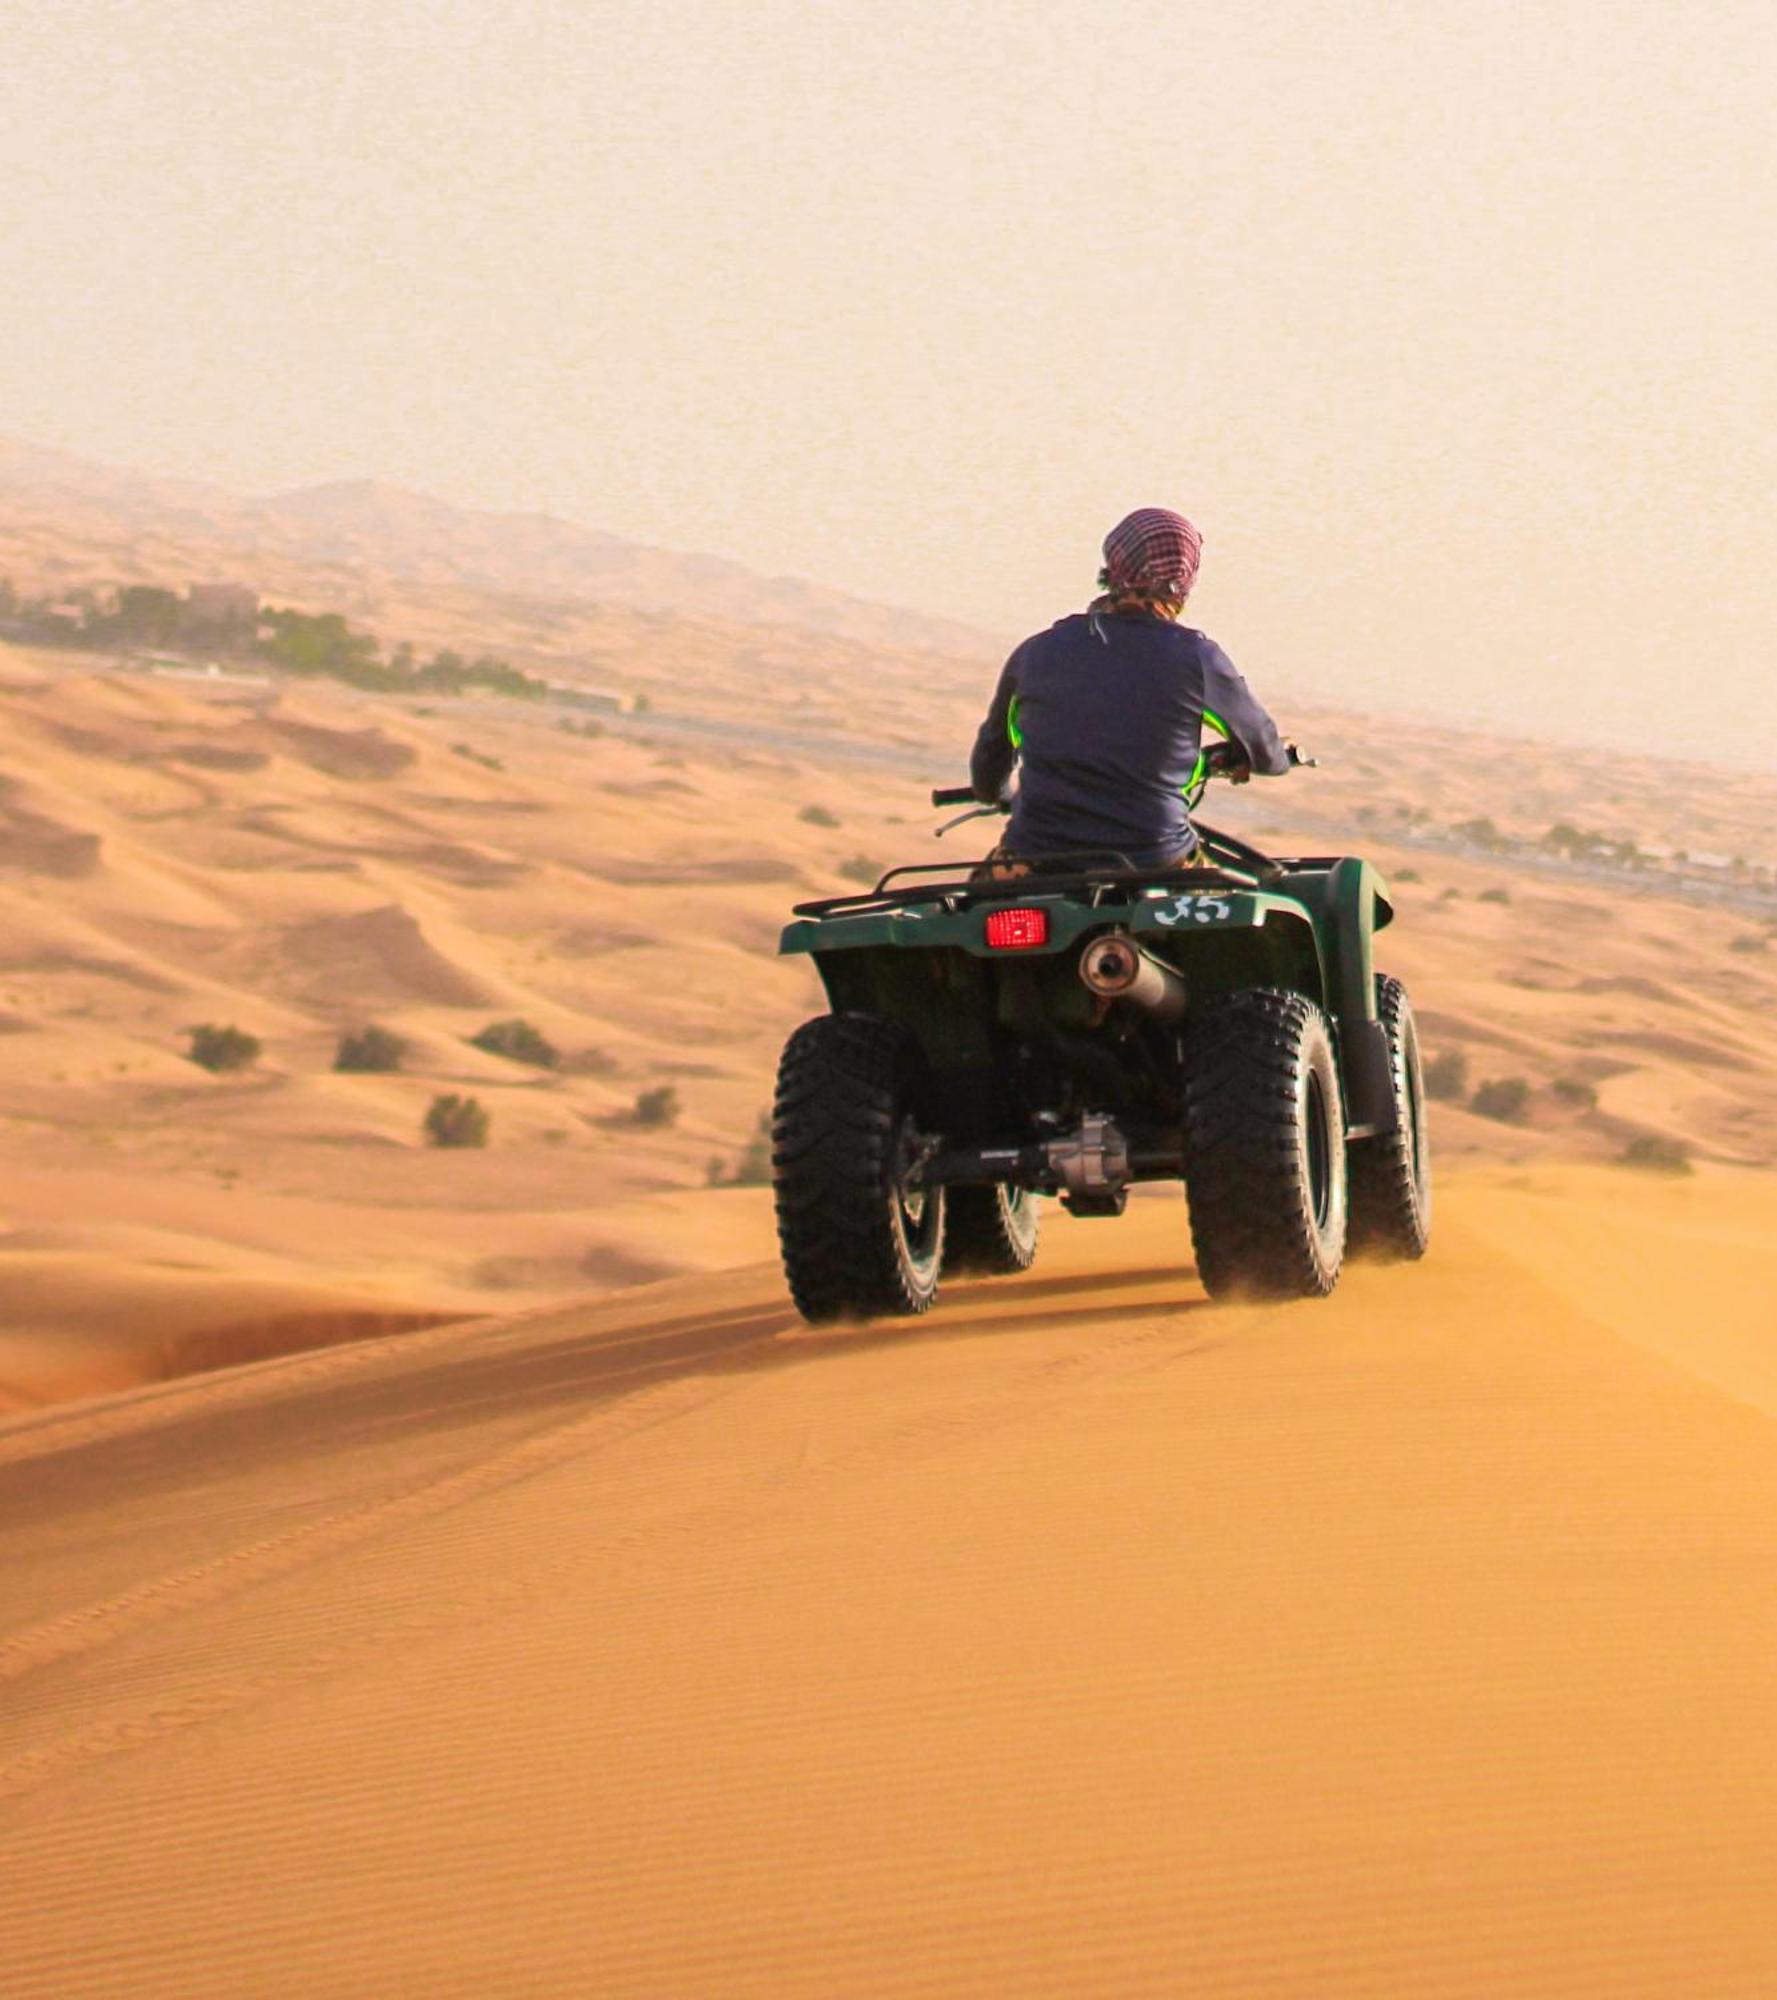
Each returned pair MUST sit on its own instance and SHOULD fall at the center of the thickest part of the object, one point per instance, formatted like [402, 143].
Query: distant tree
[518, 1042]
[221, 1049]
[324, 645]
[659, 1106]
[1502, 1097]
[452, 1120]
[145, 615]
[1446, 1076]
[372, 1051]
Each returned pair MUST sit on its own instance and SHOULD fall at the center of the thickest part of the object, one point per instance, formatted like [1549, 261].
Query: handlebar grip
[955, 795]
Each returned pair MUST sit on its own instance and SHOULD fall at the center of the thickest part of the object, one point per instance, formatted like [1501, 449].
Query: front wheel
[990, 1232]
[1264, 1147]
[860, 1236]
[1391, 1175]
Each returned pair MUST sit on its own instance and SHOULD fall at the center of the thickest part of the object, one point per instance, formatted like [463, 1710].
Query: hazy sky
[1454, 324]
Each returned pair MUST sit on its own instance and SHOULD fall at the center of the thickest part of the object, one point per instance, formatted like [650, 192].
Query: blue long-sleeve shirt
[1109, 711]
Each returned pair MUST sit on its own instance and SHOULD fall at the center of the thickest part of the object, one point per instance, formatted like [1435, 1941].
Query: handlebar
[955, 795]
[1224, 757]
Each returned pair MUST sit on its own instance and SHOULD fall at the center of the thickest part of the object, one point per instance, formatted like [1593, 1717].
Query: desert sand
[1082, 1639]
[459, 1571]
[300, 860]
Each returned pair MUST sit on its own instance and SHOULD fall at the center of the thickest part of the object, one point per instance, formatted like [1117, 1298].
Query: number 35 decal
[1196, 910]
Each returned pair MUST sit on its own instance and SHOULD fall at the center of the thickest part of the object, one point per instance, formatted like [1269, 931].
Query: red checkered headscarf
[1152, 554]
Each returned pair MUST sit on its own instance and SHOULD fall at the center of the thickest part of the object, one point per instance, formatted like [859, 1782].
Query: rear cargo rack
[1091, 872]
[963, 892]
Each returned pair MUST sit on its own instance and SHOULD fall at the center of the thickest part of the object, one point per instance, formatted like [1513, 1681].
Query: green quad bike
[1083, 1027]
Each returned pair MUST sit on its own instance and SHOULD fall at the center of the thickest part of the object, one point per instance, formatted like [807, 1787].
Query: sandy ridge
[1085, 1639]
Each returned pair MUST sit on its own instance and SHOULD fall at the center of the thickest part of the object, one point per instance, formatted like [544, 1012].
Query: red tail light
[1017, 930]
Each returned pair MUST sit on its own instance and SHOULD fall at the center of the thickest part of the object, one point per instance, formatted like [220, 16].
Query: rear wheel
[1391, 1175]
[990, 1232]
[1264, 1147]
[860, 1236]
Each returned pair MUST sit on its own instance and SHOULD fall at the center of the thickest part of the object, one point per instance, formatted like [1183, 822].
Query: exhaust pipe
[1115, 967]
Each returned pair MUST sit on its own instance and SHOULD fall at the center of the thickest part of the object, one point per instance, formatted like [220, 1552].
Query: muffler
[1115, 967]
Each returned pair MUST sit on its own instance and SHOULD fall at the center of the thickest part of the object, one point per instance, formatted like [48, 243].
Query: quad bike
[1083, 1027]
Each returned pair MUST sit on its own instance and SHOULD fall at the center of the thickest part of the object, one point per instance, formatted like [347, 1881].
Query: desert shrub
[1405, 875]
[589, 1062]
[860, 868]
[752, 1166]
[1501, 1097]
[1448, 895]
[452, 1120]
[659, 1106]
[518, 1042]
[817, 816]
[1749, 941]
[1575, 1090]
[1481, 832]
[372, 1051]
[1655, 1153]
[1494, 895]
[477, 756]
[1446, 1076]
[220, 1049]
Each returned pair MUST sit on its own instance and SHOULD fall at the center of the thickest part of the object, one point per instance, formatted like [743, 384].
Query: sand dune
[1083, 1639]
[298, 861]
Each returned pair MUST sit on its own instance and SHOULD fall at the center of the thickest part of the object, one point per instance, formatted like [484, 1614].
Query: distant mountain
[384, 530]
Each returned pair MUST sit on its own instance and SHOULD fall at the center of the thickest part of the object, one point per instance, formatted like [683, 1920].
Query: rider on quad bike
[1073, 1015]
[1106, 710]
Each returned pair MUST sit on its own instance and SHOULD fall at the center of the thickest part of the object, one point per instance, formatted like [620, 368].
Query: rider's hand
[1240, 774]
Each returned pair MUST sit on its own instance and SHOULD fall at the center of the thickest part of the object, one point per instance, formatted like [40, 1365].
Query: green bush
[518, 1042]
[1495, 895]
[1501, 1097]
[1446, 1076]
[372, 1051]
[1575, 1090]
[1749, 941]
[452, 1120]
[1655, 1153]
[860, 868]
[659, 1106]
[221, 1049]
[1405, 875]
[817, 816]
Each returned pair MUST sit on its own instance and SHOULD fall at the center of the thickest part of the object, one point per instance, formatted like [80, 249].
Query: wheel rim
[1019, 1206]
[1413, 1110]
[1317, 1137]
[918, 1212]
